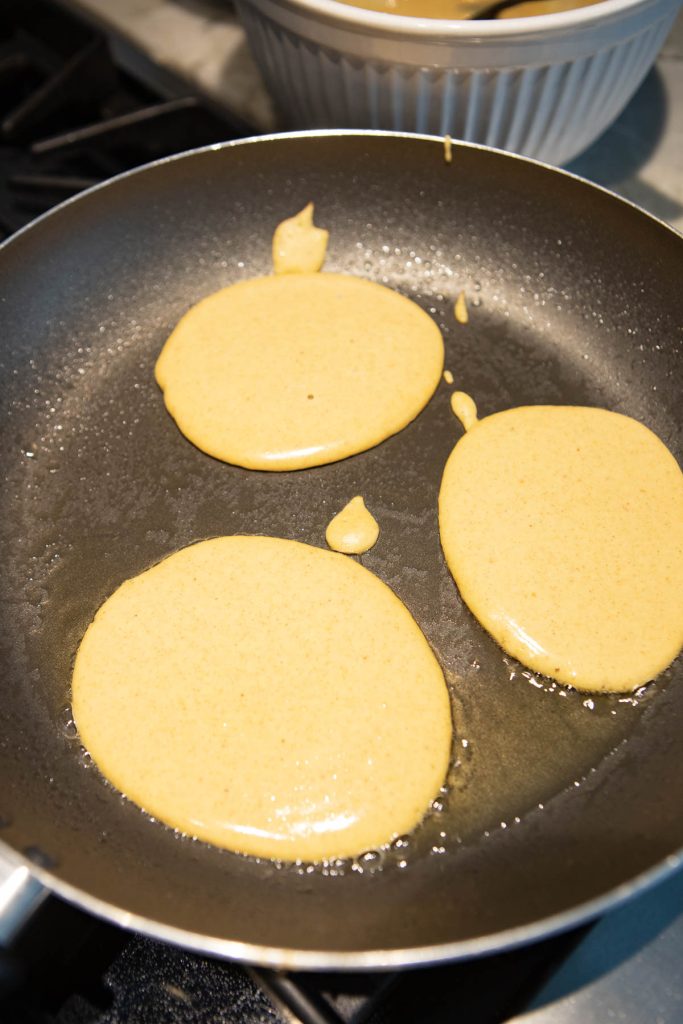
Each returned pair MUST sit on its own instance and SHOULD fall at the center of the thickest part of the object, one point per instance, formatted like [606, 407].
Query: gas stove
[72, 113]
[72, 116]
[72, 969]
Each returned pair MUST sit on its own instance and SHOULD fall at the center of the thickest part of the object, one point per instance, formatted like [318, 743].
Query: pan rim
[360, 959]
[283, 958]
[334, 133]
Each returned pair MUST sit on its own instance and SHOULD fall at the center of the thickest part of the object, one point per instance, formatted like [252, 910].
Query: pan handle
[20, 896]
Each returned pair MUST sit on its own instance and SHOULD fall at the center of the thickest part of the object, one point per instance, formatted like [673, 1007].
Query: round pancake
[298, 370]
[267, 696]
[563, 529]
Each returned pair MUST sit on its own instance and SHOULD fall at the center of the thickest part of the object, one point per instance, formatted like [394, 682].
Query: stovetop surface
[628, 967]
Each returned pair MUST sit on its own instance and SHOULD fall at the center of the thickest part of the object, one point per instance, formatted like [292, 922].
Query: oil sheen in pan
[434, 835]
[107, 419]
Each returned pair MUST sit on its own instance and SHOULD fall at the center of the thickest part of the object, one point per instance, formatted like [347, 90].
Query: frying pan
[560, 805]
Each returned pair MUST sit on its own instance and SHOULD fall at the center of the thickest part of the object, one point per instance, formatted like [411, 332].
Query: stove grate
[70, 117]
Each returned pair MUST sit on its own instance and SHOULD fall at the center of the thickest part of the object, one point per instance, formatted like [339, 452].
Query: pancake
[297, 370]
[563, 529]
[266, 696]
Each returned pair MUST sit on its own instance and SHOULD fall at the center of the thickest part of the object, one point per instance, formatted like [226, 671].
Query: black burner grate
[78, 970]
[70, 117]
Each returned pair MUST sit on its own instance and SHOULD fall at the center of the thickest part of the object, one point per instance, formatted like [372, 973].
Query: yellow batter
[464, 408]
[563, 529]
[299, 370]
[532, 8]
[418, 8]
[266, 696]
[459, 9]
[354, 530]
[460, 310]
[299, 247]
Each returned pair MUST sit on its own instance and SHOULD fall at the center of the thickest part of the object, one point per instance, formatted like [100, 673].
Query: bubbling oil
[435, 834]
[440, 832]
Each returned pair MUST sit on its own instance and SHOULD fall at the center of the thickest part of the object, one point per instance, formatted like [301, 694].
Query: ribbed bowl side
[551, 112]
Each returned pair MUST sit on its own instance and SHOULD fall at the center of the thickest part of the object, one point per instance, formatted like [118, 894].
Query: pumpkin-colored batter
[563, 529]
[266, 696]
[464, 9]
[299, 247]
[464, 408]
[532, 8]
[354, 530]
[298, 370]
[460, 310]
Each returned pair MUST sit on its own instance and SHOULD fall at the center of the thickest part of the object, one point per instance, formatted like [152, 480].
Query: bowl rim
[345, 15]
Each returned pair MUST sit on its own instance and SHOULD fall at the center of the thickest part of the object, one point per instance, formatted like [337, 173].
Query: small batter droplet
[354, 530]
[448, 376]
[465, 409]
[460, 309]
[299, 247]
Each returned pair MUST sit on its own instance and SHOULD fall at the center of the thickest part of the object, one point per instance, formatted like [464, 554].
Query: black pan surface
[558, 801]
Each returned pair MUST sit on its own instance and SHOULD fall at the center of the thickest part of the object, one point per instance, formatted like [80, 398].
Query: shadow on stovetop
[78, 970]
[616, 158]
[626, 958]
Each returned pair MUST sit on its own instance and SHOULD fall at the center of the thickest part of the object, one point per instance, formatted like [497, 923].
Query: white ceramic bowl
[544, 86]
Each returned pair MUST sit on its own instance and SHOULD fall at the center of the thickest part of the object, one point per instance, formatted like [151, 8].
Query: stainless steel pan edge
[322, 133]
[23, 887]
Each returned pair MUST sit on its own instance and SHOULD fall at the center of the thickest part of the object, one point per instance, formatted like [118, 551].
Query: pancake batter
[299, 247]
[298, 370]
[563, 529]
[464, 408]
[460, 310]
[533, 8]
[266, 696]
[462, 9]
[354, 530]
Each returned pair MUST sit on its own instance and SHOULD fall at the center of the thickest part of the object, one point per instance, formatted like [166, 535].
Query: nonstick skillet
[561, 804]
